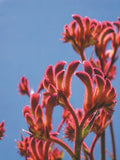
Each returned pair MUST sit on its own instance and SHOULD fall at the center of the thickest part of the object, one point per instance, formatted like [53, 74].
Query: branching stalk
[63, 145]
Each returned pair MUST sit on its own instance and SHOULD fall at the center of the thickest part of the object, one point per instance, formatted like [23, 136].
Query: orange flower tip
[25, 110]
[60, 74]
[46, 83]
[108, 84]
[51, 88]
[29, 119]
[59, 66]
[98, 71]
[100, 81]
[87, 19]
[108, 23]
[106, 31]
[38, 112]
[34, 100]
[79, 20]
[76, 16]
[49, 73]
[52, 99]
[74, 64]
[88, 68]
[82, 75]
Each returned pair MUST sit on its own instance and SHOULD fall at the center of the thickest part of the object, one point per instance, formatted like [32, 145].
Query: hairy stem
[78, 143]
[103, 155]
[113, 141]
[46, 149]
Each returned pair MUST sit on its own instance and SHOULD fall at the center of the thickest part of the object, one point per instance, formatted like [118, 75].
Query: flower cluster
[34, 117]
[54, 91]
[103, 95]
[34, 149]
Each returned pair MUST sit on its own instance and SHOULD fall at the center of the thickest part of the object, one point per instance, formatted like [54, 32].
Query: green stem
[63, 145]
[113, 141]
[78, 143]
[103, 156]
[82, 55]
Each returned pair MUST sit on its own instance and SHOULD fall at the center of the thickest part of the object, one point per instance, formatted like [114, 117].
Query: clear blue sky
[30, 32]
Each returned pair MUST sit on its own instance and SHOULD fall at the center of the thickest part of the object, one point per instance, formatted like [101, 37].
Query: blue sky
[30, 32]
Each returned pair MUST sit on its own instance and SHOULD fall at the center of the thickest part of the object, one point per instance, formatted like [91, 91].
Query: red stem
[46, 149]
[60, 125]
